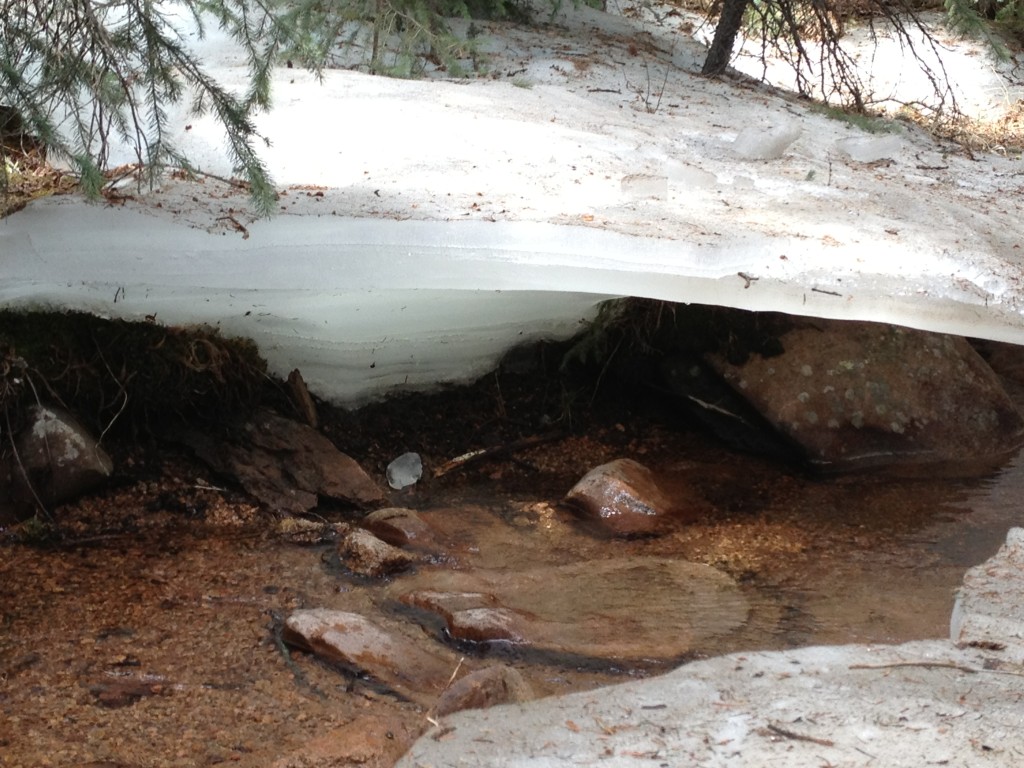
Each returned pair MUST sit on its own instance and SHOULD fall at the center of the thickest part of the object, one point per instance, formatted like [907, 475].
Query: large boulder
[859, 395]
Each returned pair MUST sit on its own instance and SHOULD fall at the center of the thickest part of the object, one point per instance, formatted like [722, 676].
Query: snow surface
[425, 226]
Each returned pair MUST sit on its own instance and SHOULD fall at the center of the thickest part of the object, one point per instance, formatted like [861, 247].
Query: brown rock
[287, 465]
[625, 497]
[365, 554]
[487, 687]
[372, 741]
[355, 642]
[472, 616]
[402, 527]
[859, 395]
[62, 460]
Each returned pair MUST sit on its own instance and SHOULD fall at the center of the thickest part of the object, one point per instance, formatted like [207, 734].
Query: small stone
[472, 616]
[624, 496]
[404, 471]
[367, 555]
[487, 687]
[402, 527]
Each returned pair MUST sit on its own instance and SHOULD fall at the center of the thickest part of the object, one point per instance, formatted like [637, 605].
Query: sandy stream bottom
[150, 641]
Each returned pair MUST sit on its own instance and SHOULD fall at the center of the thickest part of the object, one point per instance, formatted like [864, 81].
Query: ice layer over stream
[425, 226]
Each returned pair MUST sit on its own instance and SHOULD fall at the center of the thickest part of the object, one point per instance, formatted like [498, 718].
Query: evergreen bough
[80, 74]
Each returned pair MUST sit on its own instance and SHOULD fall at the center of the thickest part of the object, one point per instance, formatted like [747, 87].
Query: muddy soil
[148, 633]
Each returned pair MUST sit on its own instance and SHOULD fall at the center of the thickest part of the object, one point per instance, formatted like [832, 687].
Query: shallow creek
[154, 644]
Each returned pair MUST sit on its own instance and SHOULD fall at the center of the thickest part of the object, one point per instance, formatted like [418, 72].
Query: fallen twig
[938, 665]
[496, 450]
[799, 736]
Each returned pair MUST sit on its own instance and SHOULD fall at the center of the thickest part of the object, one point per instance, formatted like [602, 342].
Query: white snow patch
[425, 226]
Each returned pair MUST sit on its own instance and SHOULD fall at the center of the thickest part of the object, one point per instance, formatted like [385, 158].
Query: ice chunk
[759, 143]
[405, 470]
[868, 149]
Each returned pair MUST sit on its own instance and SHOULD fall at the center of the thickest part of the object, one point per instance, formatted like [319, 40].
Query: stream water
[151, 641]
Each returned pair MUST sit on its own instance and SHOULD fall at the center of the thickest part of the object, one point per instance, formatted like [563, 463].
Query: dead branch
[786, 733]
[483, 454]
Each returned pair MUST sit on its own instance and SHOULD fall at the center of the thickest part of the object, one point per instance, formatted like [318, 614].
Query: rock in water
[367, 555]
[402, 527]
[621, 609]
[624, 496]
[59, 455]
[861, 395]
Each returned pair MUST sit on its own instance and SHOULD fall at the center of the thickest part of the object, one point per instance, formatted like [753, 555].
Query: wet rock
[859, 395]
[287, 465]
[402, 528]
[473, 616]
[630, 608]
[365, 554]
[487, 687]
[624, 496]
[355, 642]
[369, 740]
[61, 458]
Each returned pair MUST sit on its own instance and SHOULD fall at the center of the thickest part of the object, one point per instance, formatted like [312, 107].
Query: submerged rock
[61, 459]
[475, 617]
[365, 554]
[858, 395]
[637, 608]
[626, 499]
[921, 703]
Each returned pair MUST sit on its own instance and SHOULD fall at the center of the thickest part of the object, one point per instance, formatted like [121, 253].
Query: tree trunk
[729, 23]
